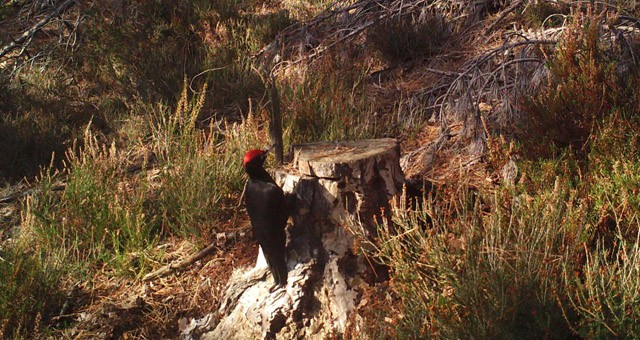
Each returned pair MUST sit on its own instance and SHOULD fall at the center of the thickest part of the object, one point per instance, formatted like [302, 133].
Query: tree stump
[331, 183]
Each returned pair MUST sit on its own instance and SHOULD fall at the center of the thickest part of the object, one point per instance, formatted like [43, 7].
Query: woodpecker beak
[266, 151]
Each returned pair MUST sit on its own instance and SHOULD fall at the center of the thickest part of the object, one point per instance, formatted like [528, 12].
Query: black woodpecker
[268, 212]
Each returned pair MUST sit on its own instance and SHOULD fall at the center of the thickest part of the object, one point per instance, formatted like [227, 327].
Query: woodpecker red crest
[251, 155]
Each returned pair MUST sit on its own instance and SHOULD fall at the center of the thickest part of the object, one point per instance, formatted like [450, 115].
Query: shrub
[473, 273]
[97, 217]
[581, 89]
[29, 292]
[604, 290]
[606, 293]
[202, 169]
[554, 256]
[325, 105]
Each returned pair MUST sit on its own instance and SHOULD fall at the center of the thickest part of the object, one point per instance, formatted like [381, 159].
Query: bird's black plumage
[267, 209]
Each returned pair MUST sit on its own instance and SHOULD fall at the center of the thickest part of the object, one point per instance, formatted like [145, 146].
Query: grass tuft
[107, 215]
[29, 292]
[483, 264]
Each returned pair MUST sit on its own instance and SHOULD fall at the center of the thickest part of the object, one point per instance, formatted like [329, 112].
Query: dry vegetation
[123, 125]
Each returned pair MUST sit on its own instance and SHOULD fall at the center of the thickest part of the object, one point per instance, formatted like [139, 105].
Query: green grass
[104, 213]
[330, 103]
[30, 289]
[556, 255]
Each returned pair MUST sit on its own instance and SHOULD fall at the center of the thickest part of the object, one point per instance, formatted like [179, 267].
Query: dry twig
[27, 36]
[182, 264]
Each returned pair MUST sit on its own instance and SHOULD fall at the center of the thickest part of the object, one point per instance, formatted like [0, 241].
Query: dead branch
[171, 267]
[26, 36]
[23, 193]
[442, 72]
[493, 74]
[69, 301]
[468, 87]
[244, 189]
[341, 22]
[503, 15]
[489, 54]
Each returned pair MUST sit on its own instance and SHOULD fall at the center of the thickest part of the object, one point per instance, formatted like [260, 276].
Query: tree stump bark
[331, 183]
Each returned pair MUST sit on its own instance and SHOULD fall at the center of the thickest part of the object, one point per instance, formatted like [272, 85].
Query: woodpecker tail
[278, 267]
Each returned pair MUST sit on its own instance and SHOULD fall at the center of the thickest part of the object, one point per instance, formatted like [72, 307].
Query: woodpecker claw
[276, 287]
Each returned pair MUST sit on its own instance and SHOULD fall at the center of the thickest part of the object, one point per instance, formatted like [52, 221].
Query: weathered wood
[360, 175]
[332, 183]
[171, 267]
[341, 159]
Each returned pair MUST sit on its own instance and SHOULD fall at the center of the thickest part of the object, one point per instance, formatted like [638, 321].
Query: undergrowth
[107, 218]
[554, 255]
[330, 103]
[99, 216]
[584, 85]
[30, 292]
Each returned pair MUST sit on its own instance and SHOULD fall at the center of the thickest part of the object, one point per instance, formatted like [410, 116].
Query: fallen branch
[68, 303]
[503, 15]
[320, 34]
[23, 193]
[182, 264]
[475, 66]
[493, 75]
[244, 189]
[38, 26]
